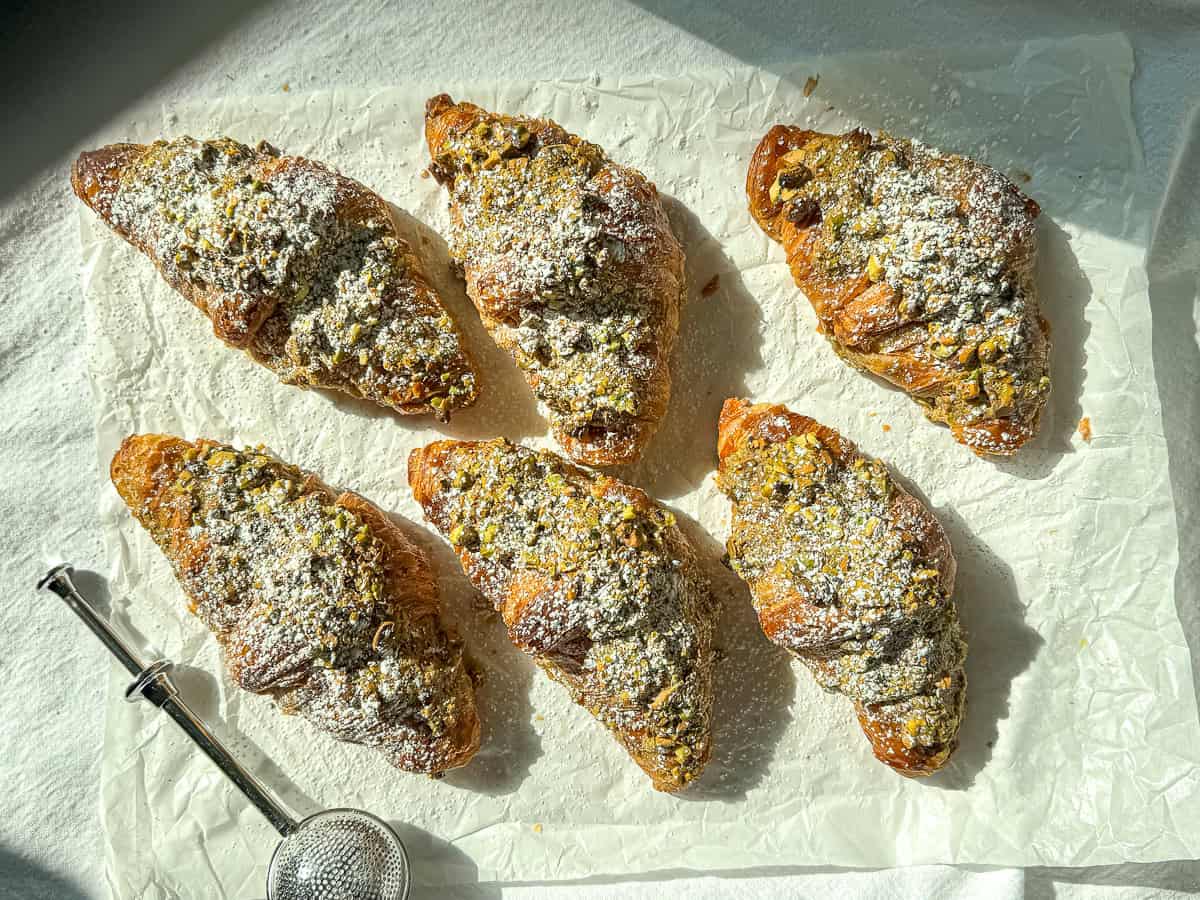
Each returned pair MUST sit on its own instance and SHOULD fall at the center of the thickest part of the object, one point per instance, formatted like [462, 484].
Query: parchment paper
[1081, 743]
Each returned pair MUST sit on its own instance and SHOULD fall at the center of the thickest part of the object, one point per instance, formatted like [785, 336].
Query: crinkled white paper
[1081, 742]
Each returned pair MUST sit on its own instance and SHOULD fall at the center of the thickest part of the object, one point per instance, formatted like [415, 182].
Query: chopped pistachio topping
[297, 588]
[344, 304]
[876, 622]
[624, 609]
[953, 239]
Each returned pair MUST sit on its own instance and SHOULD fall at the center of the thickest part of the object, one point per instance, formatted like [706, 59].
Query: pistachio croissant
[570, 259]
[295, 264]
[595, 581]
[850, 573]
[316, 598]
[919, 265]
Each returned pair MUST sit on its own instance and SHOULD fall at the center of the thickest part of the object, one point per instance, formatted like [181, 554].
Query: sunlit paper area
[1081, 742]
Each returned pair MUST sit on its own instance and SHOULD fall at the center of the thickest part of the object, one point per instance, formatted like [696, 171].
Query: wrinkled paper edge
[570, 855]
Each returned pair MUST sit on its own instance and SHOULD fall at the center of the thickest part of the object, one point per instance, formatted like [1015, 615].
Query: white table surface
[50, 841]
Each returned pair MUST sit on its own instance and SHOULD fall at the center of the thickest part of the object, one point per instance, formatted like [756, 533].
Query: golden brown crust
[411, 582]
[590, 309]
[96, 179]
[96, 175]
[872, 620]
[297, 265]
[264, 630]
[977, 363]
[595, 581]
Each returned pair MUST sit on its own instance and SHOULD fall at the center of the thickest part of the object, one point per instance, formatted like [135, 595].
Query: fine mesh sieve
[339, 854]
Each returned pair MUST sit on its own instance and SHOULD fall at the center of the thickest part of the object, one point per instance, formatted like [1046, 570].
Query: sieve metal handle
[153, 683]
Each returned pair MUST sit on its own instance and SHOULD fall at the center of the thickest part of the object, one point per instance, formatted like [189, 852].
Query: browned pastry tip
[851, 574]
[437, 104]
[446, 118]
[360, 651]
[605, 447]
[592, 579]
[140, 464]
[423, 466]
[888, 735]
[918, 265]
[764, 166]
[96, 174]
[742, 420]
[143, 470]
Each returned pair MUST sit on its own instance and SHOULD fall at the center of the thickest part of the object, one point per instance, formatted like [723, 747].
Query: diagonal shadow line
[778, 39]
[26, 879]
[1174, 271]
[113, 56]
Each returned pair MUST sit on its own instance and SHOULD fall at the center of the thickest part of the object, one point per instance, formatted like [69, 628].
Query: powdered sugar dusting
[616, 606]
[842, 574]
[297, 589]
[299, 264]
[563, 254]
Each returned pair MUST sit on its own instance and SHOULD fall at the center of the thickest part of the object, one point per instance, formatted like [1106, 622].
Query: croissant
[595, 581]
[317, 599]
[295, 264]
[570, 259]
[919, 266]
[851, 574]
